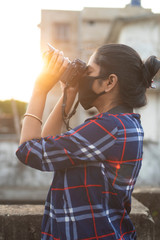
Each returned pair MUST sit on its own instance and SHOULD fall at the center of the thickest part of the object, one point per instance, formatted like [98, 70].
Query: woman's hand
[54, 65]
[54, 123]
[71, 90]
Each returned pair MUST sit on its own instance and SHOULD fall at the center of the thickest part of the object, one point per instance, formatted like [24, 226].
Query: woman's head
[133, 75]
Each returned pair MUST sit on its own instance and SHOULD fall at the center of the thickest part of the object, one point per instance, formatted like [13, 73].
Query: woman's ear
[110, 82]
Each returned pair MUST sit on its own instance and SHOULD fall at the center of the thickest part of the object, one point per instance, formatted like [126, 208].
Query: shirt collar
[121, 109]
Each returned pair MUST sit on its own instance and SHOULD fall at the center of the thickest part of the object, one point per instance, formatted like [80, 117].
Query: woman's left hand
[54, 65]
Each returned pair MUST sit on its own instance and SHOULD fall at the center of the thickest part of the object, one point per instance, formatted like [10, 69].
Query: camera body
[74, 72]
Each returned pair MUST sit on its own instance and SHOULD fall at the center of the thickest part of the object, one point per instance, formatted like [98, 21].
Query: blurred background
[77, 28]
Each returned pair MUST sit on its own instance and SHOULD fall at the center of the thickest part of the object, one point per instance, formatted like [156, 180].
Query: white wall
[144, 37]
[150, 117]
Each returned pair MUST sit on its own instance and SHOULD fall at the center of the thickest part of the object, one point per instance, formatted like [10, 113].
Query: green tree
[6, 107]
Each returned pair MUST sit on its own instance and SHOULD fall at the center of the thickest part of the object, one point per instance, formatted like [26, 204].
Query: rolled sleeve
[88, 142]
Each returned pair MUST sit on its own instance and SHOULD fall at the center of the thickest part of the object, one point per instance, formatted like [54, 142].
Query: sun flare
[20, 57]
[21, 75]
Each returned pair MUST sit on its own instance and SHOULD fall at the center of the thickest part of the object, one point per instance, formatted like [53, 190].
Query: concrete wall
[150, 117]
[143, 36]
[24, 221]
[150, 197]
[14, 174]
[50, 20]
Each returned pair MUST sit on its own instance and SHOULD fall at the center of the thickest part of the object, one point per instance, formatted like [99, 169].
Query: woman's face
[94, 70]
[89, 86]
[92, 91]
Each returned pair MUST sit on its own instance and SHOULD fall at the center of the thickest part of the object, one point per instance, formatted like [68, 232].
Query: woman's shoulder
[119, 120]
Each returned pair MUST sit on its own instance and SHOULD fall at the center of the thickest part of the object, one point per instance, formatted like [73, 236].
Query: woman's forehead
[92, 66]
[91, 59]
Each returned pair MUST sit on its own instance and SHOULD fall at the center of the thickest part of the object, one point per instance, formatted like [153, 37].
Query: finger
[46, 56]
[64, 66]
[54, 56]
[46, 53]
[51, 48]
[56, 65]
[59, 61]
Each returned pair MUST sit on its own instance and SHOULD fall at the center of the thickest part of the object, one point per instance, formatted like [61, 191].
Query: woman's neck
[104, 104]
[106, 107]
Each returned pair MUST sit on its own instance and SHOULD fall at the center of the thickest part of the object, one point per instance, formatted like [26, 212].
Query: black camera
[74, 72]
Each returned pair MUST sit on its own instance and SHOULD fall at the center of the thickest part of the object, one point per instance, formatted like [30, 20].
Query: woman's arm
[54, 123]
[50, 75]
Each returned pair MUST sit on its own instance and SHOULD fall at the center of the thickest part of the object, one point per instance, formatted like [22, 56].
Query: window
[62, 31]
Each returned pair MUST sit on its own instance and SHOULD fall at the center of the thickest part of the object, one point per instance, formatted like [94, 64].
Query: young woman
[95, 164]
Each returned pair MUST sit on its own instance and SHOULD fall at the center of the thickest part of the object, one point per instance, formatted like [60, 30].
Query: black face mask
[86, 95]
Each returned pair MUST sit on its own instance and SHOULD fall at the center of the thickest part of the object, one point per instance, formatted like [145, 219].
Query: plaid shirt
[95, 168]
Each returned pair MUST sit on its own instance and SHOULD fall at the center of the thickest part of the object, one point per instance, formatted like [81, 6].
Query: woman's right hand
[54, 65]
[71, 90]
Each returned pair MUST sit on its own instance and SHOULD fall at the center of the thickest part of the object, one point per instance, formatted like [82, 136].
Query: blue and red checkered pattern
[95, 168]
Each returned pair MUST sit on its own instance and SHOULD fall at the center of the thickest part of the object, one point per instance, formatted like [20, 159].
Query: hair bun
[149, 69]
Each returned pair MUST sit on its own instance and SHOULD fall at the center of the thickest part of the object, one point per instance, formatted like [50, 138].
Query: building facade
[79, 33]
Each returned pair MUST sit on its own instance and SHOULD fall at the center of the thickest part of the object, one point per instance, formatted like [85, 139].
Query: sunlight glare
[20, 57]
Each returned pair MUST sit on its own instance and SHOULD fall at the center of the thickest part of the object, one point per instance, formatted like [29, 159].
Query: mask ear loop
[66, 118]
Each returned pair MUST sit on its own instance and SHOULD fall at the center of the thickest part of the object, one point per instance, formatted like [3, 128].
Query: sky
[20, 56]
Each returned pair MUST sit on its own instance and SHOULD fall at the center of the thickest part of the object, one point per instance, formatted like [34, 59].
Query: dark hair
[134, 75]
